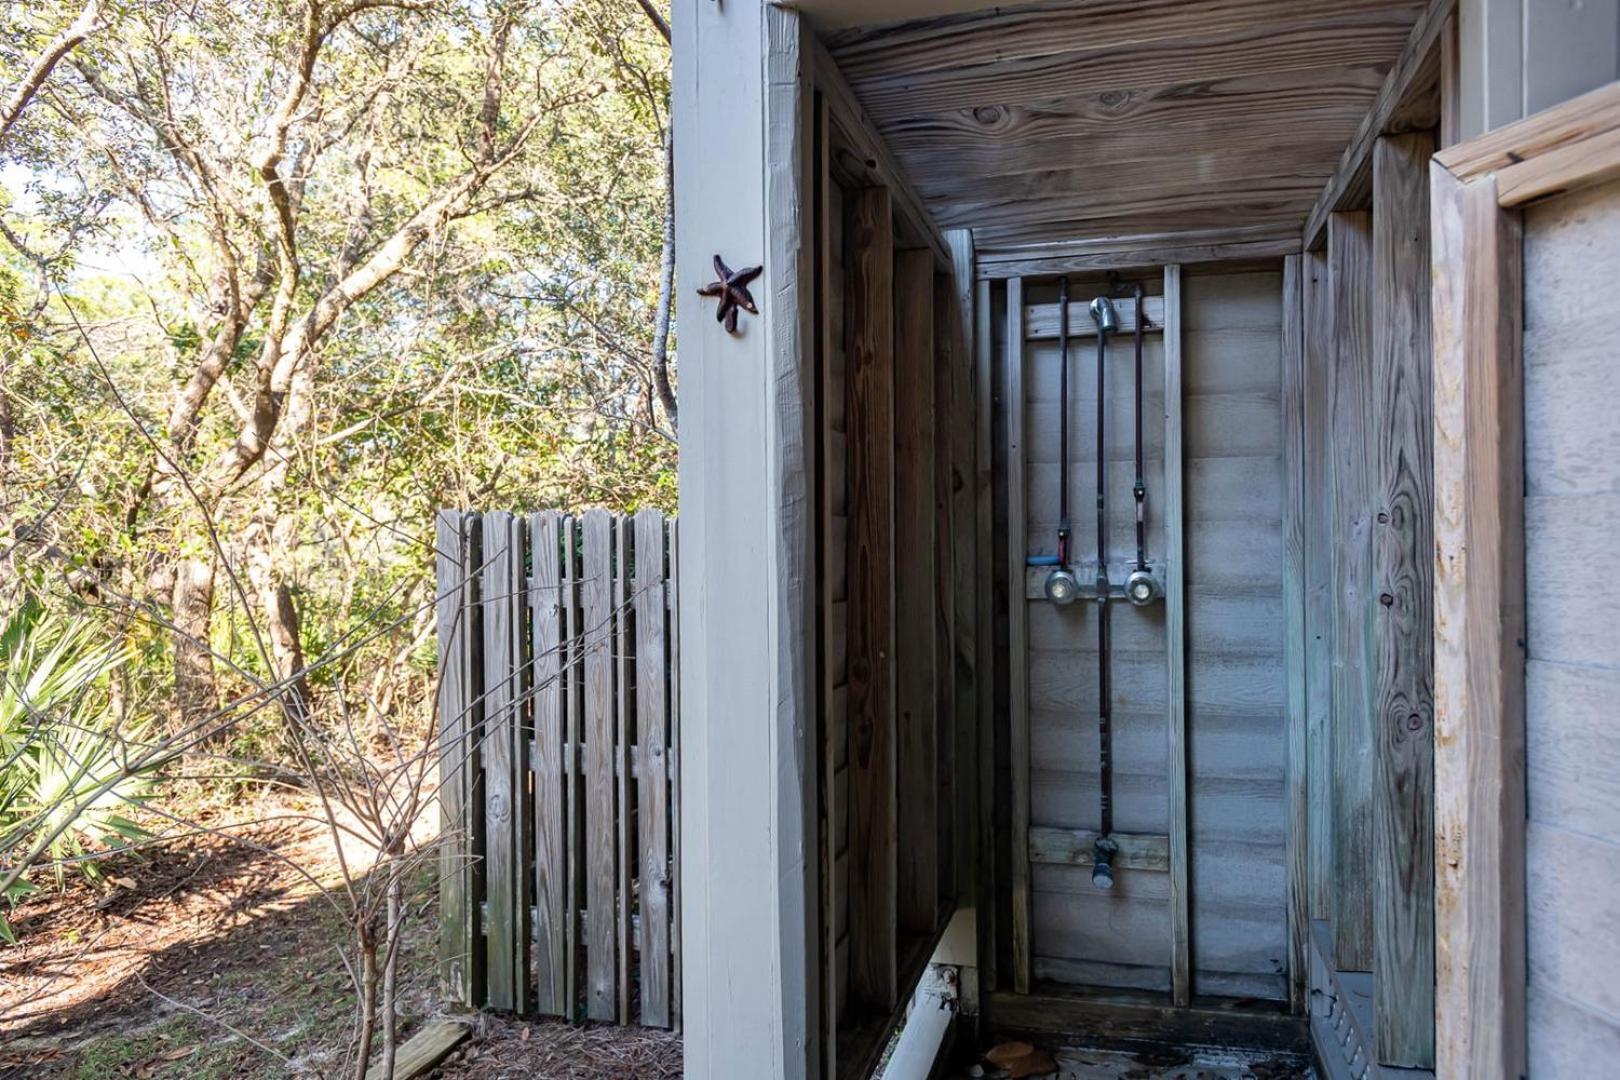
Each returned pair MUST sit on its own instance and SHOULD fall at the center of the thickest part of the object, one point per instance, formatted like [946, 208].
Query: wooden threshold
[1101, 1018]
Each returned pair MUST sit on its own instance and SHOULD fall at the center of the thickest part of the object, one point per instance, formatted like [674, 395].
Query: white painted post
[747, 690]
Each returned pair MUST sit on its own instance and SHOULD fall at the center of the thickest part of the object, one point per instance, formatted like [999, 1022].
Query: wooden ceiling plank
[1008, 34]
[1284, 45]
[1200, 166]
[1410, 80]
[1339, 94]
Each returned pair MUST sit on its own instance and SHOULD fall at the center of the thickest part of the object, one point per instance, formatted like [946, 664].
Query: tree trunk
[266, 551]
[195, 694]
[390, 987]
[368, 1001]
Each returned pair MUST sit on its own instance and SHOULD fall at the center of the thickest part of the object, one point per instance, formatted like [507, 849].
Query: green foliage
[509, 363]
[65, 779]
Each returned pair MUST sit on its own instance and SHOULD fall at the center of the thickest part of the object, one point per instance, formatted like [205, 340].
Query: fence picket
[455, 918]
[505, 929]
[550, 845]
[652, 782]
[600, 902]
[621, 756]
[574, 688]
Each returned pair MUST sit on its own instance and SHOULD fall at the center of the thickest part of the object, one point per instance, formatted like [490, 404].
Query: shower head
[1104, 315]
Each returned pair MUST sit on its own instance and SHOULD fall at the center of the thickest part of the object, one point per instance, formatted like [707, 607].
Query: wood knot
[1383, 518]
[990, 115]
[1114, 100]
[1386, 599]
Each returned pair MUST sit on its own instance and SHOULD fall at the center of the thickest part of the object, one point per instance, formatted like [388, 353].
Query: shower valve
[1062, 587]
[1142, 588]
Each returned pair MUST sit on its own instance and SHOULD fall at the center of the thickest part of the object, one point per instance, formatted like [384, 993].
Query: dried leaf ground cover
[139, 978]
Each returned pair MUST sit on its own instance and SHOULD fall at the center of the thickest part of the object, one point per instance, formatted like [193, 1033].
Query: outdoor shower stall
[1105, 528]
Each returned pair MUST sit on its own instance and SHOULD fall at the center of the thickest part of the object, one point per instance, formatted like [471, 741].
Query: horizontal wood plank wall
[1402, 491]
[534, 636]
[1572, 677]
[1236, 700]
[869, 337]
[916, 599]
[1080, 934]
[1350, 269]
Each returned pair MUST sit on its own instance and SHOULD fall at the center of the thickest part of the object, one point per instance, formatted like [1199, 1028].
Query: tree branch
[65, 42]
[657, 18]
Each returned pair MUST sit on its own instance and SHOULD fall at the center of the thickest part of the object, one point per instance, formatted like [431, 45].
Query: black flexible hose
[1104, 690]
[1140, 489]
[1063, 424]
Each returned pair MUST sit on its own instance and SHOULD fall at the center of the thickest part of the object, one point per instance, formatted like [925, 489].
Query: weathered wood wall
[1572, 677]
[1082, 935]
[1233, 485]
[1235, 675]
[893, 658]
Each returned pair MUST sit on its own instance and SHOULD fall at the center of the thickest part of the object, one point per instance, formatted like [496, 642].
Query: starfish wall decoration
[731, 287]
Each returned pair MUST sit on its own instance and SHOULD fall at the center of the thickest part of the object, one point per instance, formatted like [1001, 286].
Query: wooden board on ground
[424, 1050]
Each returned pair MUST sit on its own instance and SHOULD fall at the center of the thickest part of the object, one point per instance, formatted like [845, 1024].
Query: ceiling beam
[1141, 250]
[1403, 103]
[869, 156]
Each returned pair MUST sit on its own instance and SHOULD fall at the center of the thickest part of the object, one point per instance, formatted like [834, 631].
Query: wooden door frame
[1477, 189]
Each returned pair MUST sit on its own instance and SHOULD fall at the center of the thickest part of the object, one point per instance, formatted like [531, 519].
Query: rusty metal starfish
[731, 287]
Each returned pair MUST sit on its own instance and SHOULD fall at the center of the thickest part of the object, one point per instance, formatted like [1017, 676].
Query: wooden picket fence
[558, 740]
